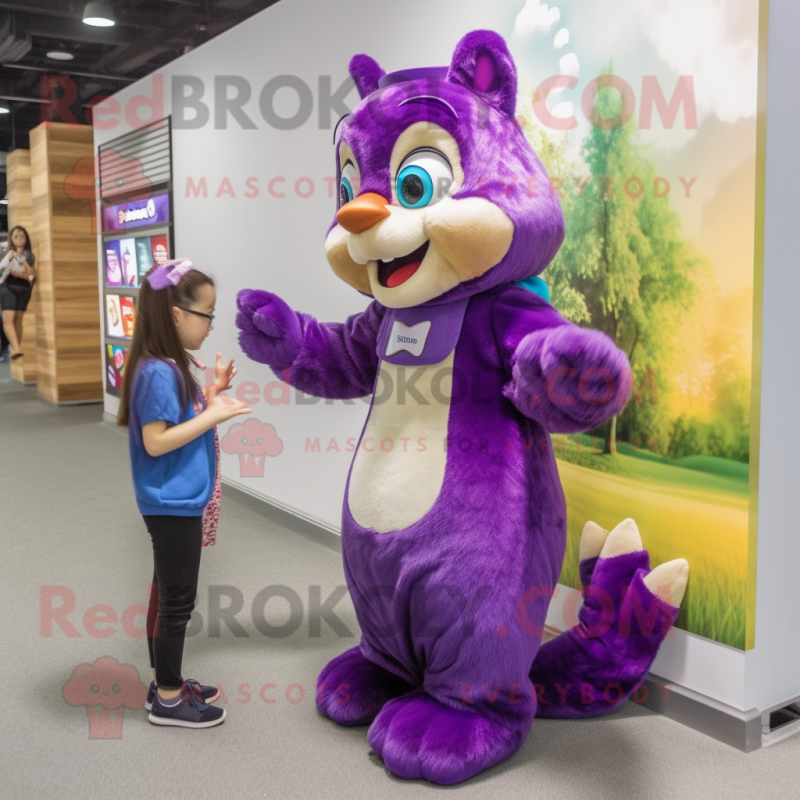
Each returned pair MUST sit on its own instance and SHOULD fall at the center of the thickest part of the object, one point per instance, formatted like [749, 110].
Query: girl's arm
[159, 438]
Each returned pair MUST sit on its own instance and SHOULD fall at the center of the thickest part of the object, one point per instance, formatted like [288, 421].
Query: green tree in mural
[624, 268]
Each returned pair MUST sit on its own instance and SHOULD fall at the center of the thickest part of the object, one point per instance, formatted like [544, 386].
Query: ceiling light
[4, 110]
[60, 55]
[4, 202]
[99, 15]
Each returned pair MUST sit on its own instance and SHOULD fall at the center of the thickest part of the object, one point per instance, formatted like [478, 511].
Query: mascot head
[440, 194]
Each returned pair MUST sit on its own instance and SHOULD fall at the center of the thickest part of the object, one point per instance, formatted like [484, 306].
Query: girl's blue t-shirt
[178, 483]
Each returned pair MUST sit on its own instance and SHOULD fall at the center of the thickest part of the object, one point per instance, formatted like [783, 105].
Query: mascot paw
[570, 377]
[419, 737]
[269, 331]
[351, 690]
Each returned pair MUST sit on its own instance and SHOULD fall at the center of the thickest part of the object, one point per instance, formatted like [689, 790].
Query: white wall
[773, 667]
[277, 244]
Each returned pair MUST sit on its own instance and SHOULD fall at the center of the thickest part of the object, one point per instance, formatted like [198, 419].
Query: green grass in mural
[716, 466]
[703, 520]
[705, 473]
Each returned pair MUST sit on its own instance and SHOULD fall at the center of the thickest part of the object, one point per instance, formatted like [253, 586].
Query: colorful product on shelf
[116, 365]
[144, 255]
[113, 269]
[160, 248]
[130, 273]
[113, 316]
[126, 311]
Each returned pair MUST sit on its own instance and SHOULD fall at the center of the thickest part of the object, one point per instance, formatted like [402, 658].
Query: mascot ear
[366, 72]
[481, 63]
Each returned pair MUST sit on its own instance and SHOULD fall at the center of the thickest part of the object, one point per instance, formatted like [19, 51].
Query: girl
[17, 275]
[174, 460]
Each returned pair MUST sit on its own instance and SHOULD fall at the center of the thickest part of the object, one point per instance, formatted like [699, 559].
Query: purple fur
[484, 540]
[365, 72]
[333, 359]
[418, 737]
[585, 570]
[352, 690]
[567, 378]
[270, 332]
[481, 63]
[595, 666]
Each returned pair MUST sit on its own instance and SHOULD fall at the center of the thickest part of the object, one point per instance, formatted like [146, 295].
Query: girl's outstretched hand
[222, 379]
[223, 408]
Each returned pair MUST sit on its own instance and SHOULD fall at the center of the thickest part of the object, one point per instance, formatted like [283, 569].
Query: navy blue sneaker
[208, 694]
[188, 712]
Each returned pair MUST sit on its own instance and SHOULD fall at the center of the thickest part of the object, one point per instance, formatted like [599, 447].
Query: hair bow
[169, 273]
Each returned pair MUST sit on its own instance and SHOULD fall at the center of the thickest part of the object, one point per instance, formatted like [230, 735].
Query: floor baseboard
[289, 518]
[739, 729]
[72, 402]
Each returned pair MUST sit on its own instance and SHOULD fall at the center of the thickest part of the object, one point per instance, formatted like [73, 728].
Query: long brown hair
[155, 335]
[27, 238]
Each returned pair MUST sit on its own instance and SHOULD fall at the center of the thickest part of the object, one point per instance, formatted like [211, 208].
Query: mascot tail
[595, 666]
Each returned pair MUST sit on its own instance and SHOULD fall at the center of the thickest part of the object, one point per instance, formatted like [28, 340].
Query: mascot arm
[567, 378]
[335, 360]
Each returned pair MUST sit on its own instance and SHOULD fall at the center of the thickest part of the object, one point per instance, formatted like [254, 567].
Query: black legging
[177, 544]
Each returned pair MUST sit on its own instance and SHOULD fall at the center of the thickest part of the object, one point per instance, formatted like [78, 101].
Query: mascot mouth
[397, 271]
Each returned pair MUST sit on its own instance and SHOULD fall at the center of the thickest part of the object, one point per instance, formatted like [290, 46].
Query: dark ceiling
[148, 34]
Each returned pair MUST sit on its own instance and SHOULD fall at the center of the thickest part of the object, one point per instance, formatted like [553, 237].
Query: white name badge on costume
[411, 338]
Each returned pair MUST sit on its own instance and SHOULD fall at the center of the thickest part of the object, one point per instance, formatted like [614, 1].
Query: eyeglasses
[209, 317]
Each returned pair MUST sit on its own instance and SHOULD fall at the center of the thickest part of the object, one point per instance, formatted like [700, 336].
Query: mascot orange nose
[362, 213]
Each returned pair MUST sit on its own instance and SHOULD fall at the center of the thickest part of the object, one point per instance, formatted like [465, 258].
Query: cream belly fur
[394, 483]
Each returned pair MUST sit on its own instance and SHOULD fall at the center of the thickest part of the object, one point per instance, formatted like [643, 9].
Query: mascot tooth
[454, 521]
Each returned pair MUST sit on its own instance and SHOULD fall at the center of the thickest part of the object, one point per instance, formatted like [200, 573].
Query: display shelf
[145, 230]
[137, 232]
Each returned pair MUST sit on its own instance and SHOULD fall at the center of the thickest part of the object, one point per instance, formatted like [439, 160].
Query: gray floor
[67, 518]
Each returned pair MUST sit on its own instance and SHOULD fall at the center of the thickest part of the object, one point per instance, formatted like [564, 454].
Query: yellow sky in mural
[719, 220]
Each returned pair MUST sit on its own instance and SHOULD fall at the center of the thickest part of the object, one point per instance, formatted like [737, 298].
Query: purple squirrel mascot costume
[453, 535]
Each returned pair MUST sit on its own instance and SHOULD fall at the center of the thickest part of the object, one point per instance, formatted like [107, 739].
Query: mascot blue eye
[425, 177]
[346, 193]
[414, 187]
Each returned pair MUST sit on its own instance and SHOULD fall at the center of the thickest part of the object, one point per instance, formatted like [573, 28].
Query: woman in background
[17, 274]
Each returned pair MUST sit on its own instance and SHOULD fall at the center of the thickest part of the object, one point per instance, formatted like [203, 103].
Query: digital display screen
[149, 211]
